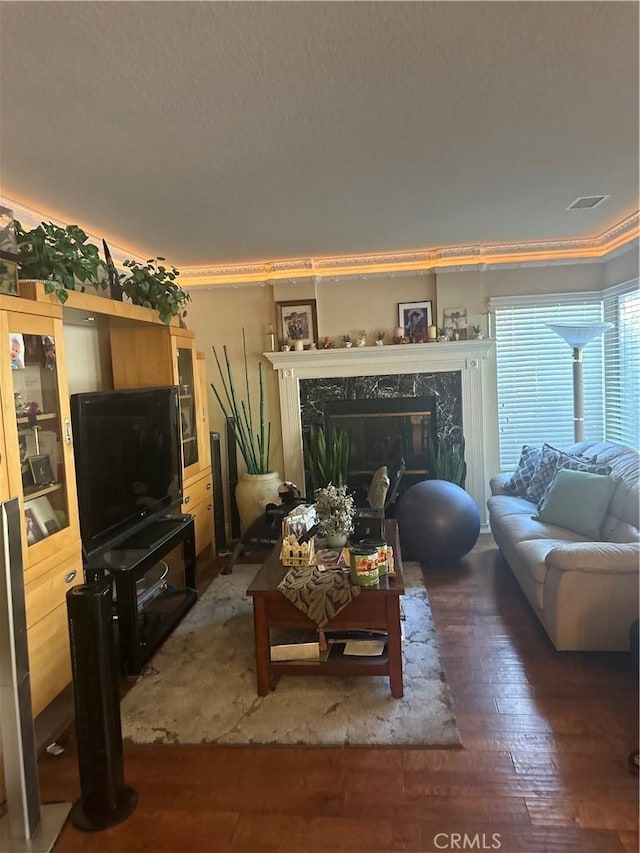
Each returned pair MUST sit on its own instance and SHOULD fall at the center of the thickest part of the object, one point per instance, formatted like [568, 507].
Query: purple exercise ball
[438, 522]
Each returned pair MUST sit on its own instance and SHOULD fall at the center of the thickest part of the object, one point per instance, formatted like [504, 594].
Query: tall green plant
[327, 456]
[254, 444]
[446, 461]
[58, 256]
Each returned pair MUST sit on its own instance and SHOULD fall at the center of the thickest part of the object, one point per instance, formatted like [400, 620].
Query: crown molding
[621, 238]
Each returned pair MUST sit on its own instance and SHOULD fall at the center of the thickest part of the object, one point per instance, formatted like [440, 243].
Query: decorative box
[296, 526]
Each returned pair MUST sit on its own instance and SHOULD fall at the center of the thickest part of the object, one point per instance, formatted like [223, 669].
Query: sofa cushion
[550, 460]
[578, 500]
[573, 463]
[520, 527]
[525, 469]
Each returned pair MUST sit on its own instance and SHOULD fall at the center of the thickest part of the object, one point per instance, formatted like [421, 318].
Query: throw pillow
[578, 501]
[521, 477]
[572, 463]
[546, 471]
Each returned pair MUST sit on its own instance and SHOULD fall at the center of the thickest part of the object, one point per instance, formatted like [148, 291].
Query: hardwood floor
[544, 766]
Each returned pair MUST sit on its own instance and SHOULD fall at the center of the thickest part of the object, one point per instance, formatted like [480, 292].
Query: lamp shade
[579, 334]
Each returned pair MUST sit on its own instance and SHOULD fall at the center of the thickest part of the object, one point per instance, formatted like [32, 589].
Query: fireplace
[450, 374]
[396, 432]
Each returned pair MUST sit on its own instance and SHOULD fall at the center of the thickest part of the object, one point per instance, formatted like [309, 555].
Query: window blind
[622, 364]
[535, 372]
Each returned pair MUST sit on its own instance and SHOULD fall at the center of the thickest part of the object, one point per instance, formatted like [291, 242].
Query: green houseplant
[154, 285]
[326, 456]
[61, 257]
[446, 461]
[259, 485]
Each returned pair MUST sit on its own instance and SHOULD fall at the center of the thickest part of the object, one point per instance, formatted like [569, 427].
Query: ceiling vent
[586, 202]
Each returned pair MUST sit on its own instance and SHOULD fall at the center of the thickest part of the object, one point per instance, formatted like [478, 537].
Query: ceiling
[226, 133]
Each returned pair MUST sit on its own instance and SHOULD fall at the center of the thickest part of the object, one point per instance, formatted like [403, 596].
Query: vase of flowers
[335, 509]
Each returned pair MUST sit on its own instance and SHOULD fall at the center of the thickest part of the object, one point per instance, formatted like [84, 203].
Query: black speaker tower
[105, 800]
[218, 496]
[232, 468]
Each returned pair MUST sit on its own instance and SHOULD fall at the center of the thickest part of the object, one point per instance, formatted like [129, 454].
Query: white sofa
[584, 592]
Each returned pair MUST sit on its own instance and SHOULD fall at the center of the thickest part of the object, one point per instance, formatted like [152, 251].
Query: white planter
[253, 493]
[336, 540]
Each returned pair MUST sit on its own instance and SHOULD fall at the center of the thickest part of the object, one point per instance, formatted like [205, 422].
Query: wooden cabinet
[158, 355]
[38, 467]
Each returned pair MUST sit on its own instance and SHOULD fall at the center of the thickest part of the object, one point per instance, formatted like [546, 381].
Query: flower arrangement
[335, 509]
[380, 335]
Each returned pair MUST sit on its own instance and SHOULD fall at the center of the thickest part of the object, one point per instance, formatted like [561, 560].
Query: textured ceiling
[231, 132]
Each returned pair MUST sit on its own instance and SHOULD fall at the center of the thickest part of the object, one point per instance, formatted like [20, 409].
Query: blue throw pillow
[550, 458]
[521, 477]
[578, 501]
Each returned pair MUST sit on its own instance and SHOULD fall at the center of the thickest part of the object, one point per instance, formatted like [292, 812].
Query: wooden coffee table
[375, 609]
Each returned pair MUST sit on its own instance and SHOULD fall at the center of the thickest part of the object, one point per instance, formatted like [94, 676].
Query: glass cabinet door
[41, 434]
[187, 393]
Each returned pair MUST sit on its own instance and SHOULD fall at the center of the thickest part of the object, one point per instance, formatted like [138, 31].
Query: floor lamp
[578, 335]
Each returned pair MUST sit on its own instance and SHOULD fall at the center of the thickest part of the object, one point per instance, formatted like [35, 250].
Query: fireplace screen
[385, 432]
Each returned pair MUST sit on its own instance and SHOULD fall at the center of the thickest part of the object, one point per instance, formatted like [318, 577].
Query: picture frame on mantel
[297, 320]
[415, 318]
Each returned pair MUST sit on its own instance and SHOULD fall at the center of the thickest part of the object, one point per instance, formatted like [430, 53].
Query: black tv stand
[146, 608]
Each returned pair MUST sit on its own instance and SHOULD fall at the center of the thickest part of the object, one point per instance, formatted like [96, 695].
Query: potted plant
[380, 335]
[446, 461]
[326, 456]
[477, 333]
[259, 485]
[154, 285]
[60, 257]
[347, 340]
[335, 509]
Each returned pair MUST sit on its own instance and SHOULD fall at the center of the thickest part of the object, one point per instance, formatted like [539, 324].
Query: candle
[399, 332]
[432, 333]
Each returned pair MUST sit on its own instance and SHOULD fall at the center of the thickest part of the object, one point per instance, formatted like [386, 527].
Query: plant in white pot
[259, 485]
[335, 509]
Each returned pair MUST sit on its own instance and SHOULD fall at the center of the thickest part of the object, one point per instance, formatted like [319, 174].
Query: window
[535, 372]
[622, 364]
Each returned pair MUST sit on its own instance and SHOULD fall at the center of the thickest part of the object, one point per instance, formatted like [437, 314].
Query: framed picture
[187, 422]
[454, 321]
[41, 470]
[16, 350]
[415, 317]
[43, 515]
[297, 320]
[34, 532]
[8, 240]
[8, 277]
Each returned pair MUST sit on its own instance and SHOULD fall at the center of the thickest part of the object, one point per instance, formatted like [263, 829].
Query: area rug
[200, 687]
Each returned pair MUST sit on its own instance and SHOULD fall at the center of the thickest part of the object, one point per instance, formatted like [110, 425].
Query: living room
[355, 158]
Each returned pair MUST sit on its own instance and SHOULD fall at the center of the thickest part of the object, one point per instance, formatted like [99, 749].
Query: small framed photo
[454, 321]
[8, 240]
[34, 532]
[43, 515]
[186, 419]
[8, 277]
[41, 470]
[16, 350]
[297, 320]
[415, 318]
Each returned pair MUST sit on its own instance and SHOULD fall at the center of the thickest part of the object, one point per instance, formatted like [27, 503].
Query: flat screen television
[128, 461]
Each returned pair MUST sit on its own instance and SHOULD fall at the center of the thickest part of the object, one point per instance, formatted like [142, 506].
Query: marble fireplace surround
[464, 357]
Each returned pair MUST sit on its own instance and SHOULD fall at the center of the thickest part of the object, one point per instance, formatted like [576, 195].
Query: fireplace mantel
[466, 357]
